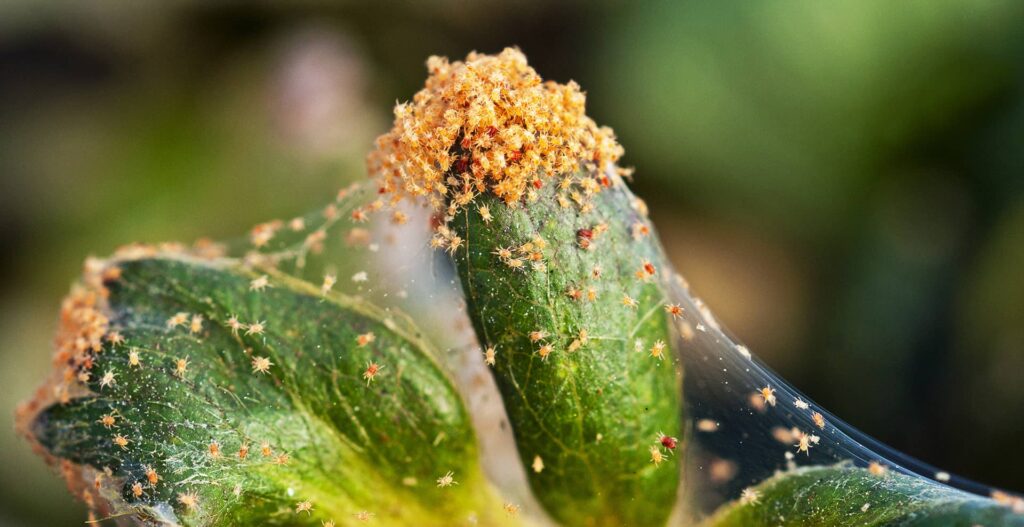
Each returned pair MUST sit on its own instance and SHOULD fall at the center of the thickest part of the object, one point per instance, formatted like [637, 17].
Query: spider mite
[196, 324]
[447, 480]
[640, 230]
[503, 253]
[667, 442]
[180, 367]
[371, 371]
[235, 325]
[261, 364]
[188, 499]
[768, 394]
[365, 339]
[256, 328]
[115, 338]
[453, 244]
[133, 358]
[658, 349]
[656, 456]
[179, 319]
[259, 284]
[675, 310]
[584, 238]
[804, 441]
[151, 476]
[108, 379]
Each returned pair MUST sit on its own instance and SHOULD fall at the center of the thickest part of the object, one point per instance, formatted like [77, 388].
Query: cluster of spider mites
[490, 124]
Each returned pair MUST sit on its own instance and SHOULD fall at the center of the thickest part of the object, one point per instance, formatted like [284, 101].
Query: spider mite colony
[485, 332]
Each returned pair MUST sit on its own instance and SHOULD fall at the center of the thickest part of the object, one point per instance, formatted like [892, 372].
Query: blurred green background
[843, 182]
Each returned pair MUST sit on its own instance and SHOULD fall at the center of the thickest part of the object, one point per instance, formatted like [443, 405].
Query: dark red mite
[668, 442]
[583, 237]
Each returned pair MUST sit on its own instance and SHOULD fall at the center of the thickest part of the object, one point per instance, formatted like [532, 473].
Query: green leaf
[591, 415]
[334, 438]
[847, 495]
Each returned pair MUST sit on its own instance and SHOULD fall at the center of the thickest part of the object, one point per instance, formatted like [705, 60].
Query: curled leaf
[199, 392]
[572, 305]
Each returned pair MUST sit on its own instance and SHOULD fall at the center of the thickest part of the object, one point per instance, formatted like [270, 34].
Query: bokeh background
[843, 182]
